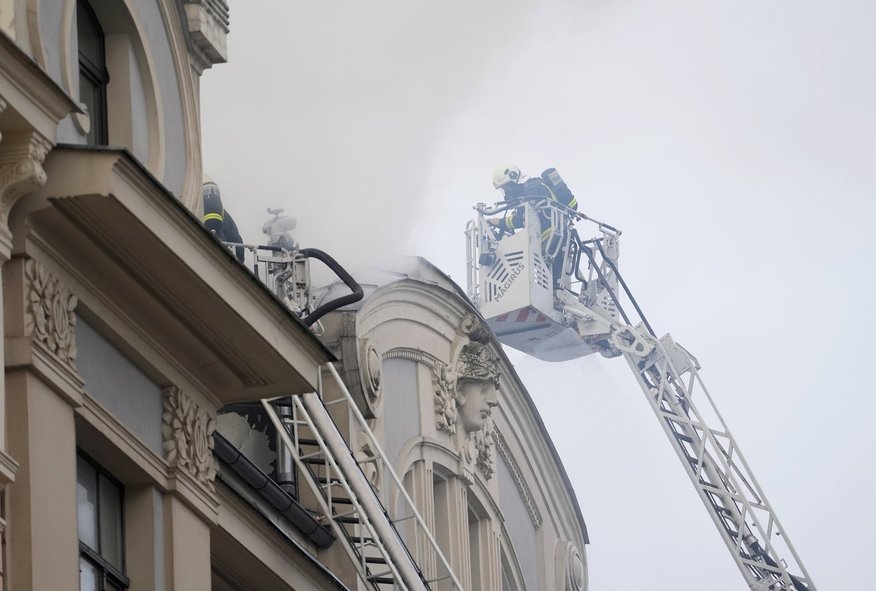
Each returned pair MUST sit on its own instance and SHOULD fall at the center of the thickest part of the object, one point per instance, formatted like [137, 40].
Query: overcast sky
[732, 142]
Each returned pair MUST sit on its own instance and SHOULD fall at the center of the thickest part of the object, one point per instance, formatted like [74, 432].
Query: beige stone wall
[93, 234]
[450, 468]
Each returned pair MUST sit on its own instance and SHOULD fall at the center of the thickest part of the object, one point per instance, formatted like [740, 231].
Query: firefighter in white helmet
[548, 187]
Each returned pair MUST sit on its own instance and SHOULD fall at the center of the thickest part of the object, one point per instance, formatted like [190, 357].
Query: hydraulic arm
[668, 375]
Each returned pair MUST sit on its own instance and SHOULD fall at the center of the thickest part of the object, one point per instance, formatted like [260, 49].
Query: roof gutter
[270, 491]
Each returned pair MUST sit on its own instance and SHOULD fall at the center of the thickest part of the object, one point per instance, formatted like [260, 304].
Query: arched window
[93, 75]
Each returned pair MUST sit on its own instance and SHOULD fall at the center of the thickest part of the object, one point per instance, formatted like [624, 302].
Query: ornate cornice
[415, 355]
[208, 22]
[522, 487]
[187, 431]
[21, 168]
[50, 312]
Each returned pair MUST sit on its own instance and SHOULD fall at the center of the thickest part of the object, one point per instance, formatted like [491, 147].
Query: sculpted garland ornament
[444, 382]
[486, 448]
[188, 436]
[50, 312]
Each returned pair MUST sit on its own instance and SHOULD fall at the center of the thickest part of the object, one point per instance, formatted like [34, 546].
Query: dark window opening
[93, 75]
[100, 520]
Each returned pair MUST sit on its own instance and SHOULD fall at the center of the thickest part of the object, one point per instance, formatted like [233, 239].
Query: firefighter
[218, 221]
[548, 187]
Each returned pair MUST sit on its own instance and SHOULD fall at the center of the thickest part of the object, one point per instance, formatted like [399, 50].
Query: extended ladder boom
[669, 377]
[557, 323]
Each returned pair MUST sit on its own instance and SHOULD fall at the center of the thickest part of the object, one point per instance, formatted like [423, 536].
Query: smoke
[732, 142]
[335, 113]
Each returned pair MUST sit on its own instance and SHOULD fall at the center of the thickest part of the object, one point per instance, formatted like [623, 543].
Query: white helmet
[506, 174]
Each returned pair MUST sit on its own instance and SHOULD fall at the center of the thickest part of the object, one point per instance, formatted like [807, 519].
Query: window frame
[108, 572]
[97, 74]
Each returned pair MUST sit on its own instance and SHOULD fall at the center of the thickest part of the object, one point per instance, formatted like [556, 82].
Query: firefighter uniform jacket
[219, 221]
[535, 189]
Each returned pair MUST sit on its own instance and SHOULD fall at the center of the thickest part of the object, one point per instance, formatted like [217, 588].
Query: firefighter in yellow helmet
[216, 219]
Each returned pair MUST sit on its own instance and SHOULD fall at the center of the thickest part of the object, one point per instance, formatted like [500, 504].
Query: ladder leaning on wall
[349, 502]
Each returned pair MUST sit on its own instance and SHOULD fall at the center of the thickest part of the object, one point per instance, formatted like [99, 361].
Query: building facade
[133, 451]
[461, 431]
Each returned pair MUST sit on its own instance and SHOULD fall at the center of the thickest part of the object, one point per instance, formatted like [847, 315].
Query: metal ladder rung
[375, 560]
[384, 578]
[684, 437]
[352, 511]
[327, 482]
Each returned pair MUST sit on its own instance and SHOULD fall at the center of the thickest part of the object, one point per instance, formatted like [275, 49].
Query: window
[479, 535]
[93, 75]
[474, 548]
[99, 501]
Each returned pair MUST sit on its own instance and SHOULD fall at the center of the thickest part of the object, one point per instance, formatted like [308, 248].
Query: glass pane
[88, 93]
[88, 576]
[110, 522]
[86, 502]
[90, 36]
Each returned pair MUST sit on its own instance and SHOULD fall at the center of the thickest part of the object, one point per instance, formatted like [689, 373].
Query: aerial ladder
[510, 278]
[389, 550]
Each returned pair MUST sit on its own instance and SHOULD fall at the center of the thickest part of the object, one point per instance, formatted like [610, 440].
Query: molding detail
[411, 355]
[464, 395]
[367, 458]
[8, 469]
[444, 388]
[50, 312]
[477, 361]
[208, 22]
[21, 168]
[571, 567]
[485, 447]
[522, 487]
[188, 430]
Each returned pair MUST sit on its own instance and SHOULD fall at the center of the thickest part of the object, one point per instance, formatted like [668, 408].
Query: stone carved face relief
[475, 399]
